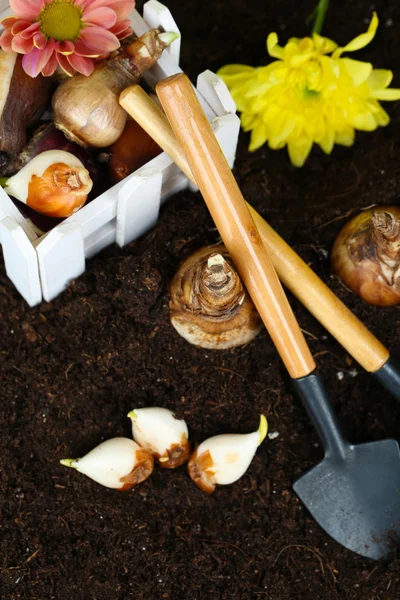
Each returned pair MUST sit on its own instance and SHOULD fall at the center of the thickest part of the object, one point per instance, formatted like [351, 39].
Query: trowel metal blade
[356, 498]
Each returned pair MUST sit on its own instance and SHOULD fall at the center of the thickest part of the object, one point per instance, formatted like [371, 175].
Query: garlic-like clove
[223, 459]
[54, 183]
[209, 305]
[119, 463]
[366, 255]
[161, 433]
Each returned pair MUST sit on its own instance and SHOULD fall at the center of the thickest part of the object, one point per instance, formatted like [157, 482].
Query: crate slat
[20, 260]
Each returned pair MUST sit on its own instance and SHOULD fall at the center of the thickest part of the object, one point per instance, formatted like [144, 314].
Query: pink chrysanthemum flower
[69, 33]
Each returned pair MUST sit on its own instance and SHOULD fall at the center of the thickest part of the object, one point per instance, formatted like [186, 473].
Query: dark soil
[72, 369]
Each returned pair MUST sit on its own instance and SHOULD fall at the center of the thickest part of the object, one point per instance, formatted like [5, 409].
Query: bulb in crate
[54, 183]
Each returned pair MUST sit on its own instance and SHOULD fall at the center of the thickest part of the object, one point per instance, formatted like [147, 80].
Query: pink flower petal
[81, 64]
[8, 22]
[20, 45]
[64, 64]
[27, 9]
[51, 65]
[82, 50]
[100, 40]
[6, 40]
[29, 31]
[19, 26]
[123, 8]
[39, 41]
[66, 48]
[36, 60]
[122, 28]
[90, 4]
[104, 17]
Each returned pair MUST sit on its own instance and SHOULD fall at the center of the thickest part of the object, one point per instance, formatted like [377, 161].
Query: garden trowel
[354, 492]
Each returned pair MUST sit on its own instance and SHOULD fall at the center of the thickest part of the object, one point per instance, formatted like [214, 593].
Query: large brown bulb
[366, 255]
[209, 306]
[87, 109]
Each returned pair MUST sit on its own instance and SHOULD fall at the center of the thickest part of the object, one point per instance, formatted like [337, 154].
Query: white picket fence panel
[42, 266]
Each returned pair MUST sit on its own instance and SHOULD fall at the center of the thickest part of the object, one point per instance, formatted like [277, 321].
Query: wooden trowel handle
[235, 224]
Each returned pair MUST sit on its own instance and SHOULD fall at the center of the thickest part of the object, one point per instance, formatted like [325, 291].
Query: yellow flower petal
[364, 121]
[380, 79]
[281, 133]
[259, 136]
[323, 44]
[391, 94]
[248, 121]
[299, 151]
[359, 71]
[328, 141]
[234, 69]
[300, 59]
[345, 137]
[361, 40]
[272, 46]
[381, 117]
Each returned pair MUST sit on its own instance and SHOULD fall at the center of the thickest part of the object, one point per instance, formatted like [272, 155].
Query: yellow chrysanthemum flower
[308, 97]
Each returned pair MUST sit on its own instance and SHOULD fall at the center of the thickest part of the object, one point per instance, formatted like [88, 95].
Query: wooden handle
[292, 270]
[235, 224]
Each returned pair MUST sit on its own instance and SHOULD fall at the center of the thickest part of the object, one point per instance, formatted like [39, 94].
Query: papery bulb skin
[133, 149]
[161, 433]
[223, 459]
[209, 305]
[22, 101]
[48, 137]
[366, 255]
[55, 183]
[118, 463]
[60, 191]
[87, 109]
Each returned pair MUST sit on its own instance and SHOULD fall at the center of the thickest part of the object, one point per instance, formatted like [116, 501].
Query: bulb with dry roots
[209, 305]
[161, 433]
[118, 463]
[223, 459]
[366, 255]
[54, 183]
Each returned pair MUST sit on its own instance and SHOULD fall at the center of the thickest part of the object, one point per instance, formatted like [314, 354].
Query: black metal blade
[355, 497]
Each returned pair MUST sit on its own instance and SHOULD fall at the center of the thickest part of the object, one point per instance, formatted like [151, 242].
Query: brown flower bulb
[209, 306]
[366, 255]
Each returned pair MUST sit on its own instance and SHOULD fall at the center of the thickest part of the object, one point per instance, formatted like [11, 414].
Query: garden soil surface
[72, 369]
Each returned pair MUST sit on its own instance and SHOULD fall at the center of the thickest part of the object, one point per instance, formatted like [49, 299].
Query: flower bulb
[54, 183]
[223, 459]
[209, 305]
[161, 433]
[366, 255]
[118, 463]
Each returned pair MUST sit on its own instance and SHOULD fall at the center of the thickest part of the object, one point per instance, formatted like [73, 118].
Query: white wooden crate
[41, 267]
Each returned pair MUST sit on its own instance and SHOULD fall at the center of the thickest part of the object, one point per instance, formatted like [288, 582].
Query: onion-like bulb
[87, 109]
[209, 305]
[54, 183]
[366, 255]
